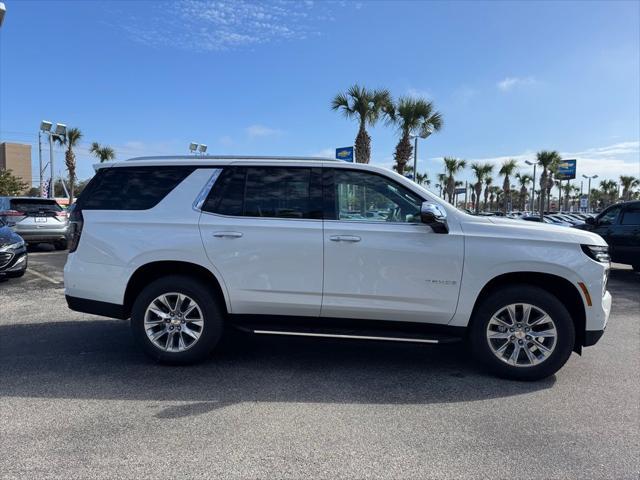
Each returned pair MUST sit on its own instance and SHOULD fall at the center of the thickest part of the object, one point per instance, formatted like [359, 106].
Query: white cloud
[256, 131]
[205, 25]
[419, 93]
[509, 83]
[609, 161]
[325, 153]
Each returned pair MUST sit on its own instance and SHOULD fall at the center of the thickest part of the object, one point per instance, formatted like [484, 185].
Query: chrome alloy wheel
[522, 335]
[173, 322]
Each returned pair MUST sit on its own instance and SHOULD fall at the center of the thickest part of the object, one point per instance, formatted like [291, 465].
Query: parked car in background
[536, 218]
[13, 253]
[36, 220]
[280, 246]
[566, 219]
[619, 225]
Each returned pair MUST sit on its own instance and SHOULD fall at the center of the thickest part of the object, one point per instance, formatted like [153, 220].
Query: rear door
[626, 235]
[261, 227]
[381, 262]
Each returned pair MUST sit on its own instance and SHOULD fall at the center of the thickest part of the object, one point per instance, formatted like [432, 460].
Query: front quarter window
[608, 217]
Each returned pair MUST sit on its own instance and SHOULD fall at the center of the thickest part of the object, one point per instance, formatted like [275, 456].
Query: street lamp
[193, 146]
[196, 148]
[533, 188]
[60, 131]
[589, 190]
[3, 10]
[202, 148]
[423, 134]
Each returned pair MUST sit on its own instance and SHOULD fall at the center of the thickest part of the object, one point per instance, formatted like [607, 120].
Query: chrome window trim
[202, 196]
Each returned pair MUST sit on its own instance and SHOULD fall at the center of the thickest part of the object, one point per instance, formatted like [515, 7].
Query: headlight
[12, 246]
[597, 253]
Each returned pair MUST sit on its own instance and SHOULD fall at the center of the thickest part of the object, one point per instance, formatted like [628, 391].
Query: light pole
[196, 148]
[533, 188]
[423, 134]
[60, 131]
[589, 191]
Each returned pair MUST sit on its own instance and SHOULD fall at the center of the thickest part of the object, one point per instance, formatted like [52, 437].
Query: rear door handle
[345, 238]
[227, 234]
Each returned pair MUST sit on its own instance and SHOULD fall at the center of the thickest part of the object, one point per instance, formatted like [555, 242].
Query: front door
[262, 230]
[380, 261]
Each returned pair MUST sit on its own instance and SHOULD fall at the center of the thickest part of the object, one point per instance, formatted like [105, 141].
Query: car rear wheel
[522, 332]
[176, 320]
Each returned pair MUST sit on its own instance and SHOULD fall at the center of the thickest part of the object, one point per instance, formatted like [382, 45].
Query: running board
[350, 337]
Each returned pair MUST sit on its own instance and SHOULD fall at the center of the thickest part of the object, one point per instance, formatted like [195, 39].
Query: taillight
[76, 221]
[61, 214]
[12, 213]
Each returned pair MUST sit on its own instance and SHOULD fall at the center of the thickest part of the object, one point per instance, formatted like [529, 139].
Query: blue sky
[510, 78]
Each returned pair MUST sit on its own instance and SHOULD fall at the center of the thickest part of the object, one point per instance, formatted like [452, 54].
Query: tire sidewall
[523, 294]
[213, 319]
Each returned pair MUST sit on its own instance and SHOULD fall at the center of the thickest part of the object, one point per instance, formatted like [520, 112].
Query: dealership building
[17, 158]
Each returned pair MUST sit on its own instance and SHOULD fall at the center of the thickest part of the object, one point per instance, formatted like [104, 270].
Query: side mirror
[435, 216]
[590, 221]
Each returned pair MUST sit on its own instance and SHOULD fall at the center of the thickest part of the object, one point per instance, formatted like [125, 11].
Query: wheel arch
[558, 286]
[151, 271]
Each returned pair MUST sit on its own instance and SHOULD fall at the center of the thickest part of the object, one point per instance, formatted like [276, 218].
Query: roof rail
[232, 157]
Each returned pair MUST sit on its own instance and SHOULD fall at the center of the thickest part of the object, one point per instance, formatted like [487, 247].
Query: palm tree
[547, 160]
[481, 171]
[609, 190]
[524, 180]
[628, 184]
[442, 181]
[487, 186]
[104, 154]
[70, 140]
[413, 116]
[452, 166]
[423, 179]
[507, 170]
[366, 106]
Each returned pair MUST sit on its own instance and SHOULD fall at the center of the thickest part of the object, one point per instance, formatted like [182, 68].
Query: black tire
[539, 298]
[60, 245]
[211, 312]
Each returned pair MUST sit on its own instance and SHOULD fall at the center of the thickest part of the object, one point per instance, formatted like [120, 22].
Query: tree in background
[70, 140]
[506, 170]
[628, 183]
[104, 154]
[366, 106]
[488, 181]
[524, 180]
[413, 116]
[452, 166]
[547, 160]
[442, 182]
[609, 190]
[11, 185]
[481, 171]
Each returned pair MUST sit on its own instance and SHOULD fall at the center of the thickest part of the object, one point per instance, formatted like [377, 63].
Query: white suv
[189, 246]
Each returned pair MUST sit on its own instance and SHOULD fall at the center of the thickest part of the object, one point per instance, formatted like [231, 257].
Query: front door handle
[227, 234]
[345, 238]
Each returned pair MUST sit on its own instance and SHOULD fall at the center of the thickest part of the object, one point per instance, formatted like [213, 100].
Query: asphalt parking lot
[78, 400]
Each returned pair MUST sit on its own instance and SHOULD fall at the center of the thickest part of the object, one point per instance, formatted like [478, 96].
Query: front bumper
[18, 263]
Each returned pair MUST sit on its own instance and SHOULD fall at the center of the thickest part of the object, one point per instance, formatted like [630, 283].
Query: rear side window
[131, 188]
[34, 205]
[631, 216]
[268, 192]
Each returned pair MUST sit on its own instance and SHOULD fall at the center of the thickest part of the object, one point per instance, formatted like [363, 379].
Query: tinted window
[609, 217]
[631, 216]
[31, 205]
[131, 188]
[366, 196]
[270, 192]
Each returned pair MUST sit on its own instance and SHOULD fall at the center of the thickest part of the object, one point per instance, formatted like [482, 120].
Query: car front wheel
[176, 320]
[522, 332]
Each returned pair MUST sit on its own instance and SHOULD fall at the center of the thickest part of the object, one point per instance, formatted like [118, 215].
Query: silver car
[37, 220]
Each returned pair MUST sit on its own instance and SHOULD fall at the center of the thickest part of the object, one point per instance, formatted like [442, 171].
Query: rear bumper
[94, 307]
[43, 235]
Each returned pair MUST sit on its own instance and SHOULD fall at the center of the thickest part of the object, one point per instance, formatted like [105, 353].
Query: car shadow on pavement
[97, 359]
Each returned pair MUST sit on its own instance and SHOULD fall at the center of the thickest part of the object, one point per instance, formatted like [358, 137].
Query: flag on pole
[44, 188]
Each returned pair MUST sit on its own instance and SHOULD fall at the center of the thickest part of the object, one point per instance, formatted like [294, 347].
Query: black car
[619, 225]
[13, 253]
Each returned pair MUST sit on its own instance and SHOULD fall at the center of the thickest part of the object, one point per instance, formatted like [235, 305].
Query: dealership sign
[345, 153]
[566, 170]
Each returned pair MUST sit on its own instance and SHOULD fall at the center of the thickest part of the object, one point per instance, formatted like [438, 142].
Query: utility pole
[415, 158]
[589, 209]
[533, 188]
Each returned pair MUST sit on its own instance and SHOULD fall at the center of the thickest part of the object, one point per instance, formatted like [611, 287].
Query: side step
[350, 337]
[348, 329]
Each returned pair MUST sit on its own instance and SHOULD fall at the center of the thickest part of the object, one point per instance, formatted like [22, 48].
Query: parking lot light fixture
[202, 148]
[589, 177]
[533, 187]
[45, 126]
